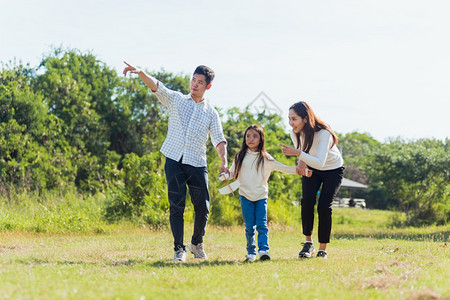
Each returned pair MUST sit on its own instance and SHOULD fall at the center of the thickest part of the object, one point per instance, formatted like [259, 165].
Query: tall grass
[51, 212]
[71, 212]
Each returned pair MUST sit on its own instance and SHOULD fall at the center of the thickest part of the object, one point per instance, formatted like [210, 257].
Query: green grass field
[367, 259]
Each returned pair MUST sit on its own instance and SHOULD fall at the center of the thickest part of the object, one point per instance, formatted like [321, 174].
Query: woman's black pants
[330, 181]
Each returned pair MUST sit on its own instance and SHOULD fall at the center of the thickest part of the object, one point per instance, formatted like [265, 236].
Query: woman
[316, 146]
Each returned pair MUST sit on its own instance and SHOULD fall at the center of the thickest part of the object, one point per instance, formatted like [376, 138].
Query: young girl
[252, 166]
[316, 146]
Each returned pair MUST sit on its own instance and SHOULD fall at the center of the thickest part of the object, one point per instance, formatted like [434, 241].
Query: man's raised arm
[151, 82]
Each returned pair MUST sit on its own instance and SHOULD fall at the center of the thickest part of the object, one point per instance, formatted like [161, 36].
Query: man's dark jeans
[196, 178]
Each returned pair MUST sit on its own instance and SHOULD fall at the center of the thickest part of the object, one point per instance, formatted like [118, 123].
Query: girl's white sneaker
[250, 257]
[264, 255]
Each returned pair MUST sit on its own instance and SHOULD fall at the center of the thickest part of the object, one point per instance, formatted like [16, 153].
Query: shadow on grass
[38, 261]
[432, 236]
[200, 264]
[134, 262]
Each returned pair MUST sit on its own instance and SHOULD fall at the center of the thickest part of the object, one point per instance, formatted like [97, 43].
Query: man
[191, 119]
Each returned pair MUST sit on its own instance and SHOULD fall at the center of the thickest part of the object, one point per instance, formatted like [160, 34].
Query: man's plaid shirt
[189, 126]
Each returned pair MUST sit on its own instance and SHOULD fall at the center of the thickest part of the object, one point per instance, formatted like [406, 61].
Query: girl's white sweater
[253, 183]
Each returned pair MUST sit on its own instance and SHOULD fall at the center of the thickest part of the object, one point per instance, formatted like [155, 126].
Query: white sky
[381, 67]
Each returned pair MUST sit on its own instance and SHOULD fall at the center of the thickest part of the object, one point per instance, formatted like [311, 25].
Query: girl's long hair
[262, 154]
[313, 124]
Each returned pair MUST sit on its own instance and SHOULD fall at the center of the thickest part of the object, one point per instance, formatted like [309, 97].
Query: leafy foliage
[141, 194]
[409, 175]
[417, 176]
[73, 123]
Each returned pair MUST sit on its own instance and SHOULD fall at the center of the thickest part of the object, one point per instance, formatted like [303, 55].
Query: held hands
[290, 151]
[224, 169]
[130, 69]
[224, 176]
[302, 169]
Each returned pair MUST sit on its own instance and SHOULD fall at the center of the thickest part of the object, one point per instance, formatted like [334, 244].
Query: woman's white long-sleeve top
[321, 156]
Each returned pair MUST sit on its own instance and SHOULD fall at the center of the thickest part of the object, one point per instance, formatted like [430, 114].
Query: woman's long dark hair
[312, 125]
[262, 154]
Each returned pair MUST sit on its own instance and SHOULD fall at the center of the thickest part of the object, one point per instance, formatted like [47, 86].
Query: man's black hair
[208, 72]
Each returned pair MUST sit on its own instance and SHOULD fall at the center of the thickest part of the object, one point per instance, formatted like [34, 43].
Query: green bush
[51, 212]
[283, 213]
[226, 211]
[141, 195]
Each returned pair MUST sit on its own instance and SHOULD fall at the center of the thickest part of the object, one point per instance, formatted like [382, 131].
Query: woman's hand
[302, 169]
[290, 151]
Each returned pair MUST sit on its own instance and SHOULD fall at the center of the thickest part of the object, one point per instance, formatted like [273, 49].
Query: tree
[417, 176]
[79, 90]
[355, 148]
[32, 154]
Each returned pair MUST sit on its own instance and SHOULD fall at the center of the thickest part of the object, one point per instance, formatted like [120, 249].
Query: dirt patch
[4, 248]
[426, 295]
[378, 282]
[385, 277]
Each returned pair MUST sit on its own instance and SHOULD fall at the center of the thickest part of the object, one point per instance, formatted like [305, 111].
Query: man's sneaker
[322, 253]
[180, 255]
[264, 255]
[198, 251]
[250, 257]
[307, 251]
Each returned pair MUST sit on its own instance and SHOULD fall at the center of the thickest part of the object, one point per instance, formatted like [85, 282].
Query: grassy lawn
[366, 260]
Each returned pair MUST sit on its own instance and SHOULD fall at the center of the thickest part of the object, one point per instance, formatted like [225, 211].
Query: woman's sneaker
[307, 251]
[322, 253]
[180, 255]
[250, 257]
[198, 251]
[264, 255]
